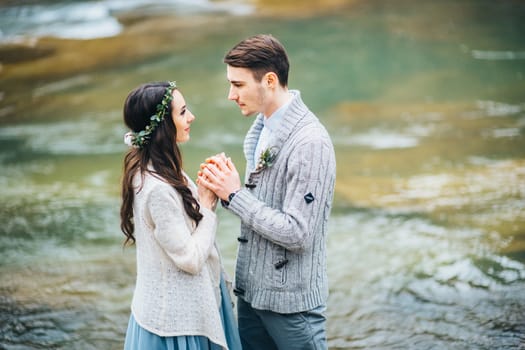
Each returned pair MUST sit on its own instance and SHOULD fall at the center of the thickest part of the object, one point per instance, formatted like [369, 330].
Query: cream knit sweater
[178, 266]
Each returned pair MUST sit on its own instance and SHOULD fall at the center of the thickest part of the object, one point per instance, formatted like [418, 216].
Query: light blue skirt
[137, 338]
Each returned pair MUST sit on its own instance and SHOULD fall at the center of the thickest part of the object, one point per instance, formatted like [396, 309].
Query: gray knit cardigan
[284, 210]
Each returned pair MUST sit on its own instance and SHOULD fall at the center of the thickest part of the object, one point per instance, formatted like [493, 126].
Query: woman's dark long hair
[161, 151]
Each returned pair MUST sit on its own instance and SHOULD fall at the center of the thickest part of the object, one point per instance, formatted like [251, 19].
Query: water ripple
[95, 19]
[91, 134]
[402, 282]
[498, 55]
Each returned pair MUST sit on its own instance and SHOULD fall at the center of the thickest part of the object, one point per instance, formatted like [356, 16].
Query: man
[284, 205]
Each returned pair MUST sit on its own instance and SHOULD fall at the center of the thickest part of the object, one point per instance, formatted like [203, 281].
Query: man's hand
[219, 174]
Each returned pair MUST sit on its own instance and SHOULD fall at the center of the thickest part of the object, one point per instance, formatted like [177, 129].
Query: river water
[425, 102]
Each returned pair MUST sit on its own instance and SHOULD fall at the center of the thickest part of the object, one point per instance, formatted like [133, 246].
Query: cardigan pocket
[279, 267]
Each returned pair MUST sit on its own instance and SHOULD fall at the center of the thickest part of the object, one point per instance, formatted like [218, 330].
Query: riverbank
[35, 64]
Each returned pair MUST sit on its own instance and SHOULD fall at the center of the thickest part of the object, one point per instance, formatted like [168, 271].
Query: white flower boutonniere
[266, 159]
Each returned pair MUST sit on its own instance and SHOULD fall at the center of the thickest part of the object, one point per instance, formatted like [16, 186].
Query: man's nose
[232, 95]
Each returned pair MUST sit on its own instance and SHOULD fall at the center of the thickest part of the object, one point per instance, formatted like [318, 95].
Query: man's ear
[271, 80]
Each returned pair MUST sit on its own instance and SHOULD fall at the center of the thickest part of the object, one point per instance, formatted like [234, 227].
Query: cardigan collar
[293, 114]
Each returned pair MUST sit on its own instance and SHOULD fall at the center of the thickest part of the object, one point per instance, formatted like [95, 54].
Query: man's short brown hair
[261, 54]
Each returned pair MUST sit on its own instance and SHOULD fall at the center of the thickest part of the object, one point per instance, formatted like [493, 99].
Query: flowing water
[425, 102]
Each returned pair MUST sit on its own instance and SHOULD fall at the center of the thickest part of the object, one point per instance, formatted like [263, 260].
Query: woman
[180, 300]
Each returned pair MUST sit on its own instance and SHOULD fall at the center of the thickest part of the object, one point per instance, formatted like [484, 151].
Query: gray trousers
[267, 330]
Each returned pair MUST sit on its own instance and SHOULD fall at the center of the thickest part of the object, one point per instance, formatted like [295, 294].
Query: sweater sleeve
[309, 178]
[188, 249]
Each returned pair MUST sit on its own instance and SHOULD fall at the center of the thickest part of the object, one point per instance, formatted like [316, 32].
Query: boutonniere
[266, 159]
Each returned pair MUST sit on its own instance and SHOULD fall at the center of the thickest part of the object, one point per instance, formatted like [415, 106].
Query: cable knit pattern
[281, 259]
[178, 266]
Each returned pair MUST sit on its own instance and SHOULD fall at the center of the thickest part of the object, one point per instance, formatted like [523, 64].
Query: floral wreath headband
[141, 138]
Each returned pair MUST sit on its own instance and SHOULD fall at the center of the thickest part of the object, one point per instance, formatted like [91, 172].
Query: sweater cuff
[241, 202]
[207, 213]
